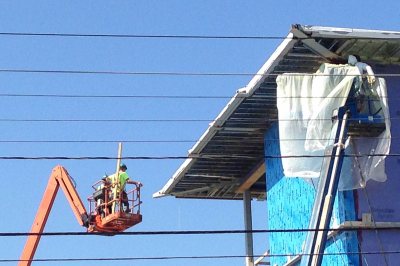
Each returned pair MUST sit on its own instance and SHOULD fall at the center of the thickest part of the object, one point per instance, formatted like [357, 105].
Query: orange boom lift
[106, 212]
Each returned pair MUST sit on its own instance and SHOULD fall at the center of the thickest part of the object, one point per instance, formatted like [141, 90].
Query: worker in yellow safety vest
[118, 186]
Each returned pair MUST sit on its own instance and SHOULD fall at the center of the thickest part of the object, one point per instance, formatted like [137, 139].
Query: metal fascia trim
[166, 190]
[332, 32]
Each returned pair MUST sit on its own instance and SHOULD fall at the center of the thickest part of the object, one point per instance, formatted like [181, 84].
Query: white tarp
[305, 105]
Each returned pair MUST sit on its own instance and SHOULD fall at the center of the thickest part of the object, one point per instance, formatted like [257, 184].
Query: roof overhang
[229, 157]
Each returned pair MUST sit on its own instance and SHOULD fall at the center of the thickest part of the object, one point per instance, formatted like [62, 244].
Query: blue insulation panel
[290, 201]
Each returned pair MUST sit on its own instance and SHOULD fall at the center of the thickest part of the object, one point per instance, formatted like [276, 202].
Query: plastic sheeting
[305, 104]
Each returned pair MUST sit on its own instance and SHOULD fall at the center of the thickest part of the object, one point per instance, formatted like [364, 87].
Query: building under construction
[314, 133]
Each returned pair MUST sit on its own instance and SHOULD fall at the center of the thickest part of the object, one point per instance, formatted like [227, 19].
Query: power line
[99, 141]
[116, 96]
[205, 156]
[226, 141]
[129, 258]
[104, 120]
[169, 36]
[199, 232]
[200, 257]
[194, 233]
[150, 36]
[137, 73]
[243, 121]
[260, 96]
[177, 73]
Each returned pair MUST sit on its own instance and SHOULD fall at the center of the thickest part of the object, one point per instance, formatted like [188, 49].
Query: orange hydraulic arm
[59, 177]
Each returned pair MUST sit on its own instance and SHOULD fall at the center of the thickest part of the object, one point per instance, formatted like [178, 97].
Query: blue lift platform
[359, 118]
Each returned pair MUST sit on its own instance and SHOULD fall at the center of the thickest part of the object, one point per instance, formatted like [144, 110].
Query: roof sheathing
[215, 126]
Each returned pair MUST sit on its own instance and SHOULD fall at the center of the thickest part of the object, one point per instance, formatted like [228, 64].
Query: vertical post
[248, 227]
[119, 157]
[116, 178]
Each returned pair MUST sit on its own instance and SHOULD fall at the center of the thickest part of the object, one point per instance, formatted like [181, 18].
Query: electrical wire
[174, 73]
[204, 156]
[274, 97]
[241, 121]
[170, 36]
[198, 257]
[104, 120]
[100, 141]
[116, 96]
[228, 141]
[109, 72]
[151, 36]
[198, 232]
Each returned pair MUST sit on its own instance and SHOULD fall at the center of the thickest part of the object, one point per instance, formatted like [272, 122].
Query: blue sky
[24, 181]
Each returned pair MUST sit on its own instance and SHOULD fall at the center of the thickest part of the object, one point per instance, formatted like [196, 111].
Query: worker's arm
[134, 182]
[367, 68]
[370, 74]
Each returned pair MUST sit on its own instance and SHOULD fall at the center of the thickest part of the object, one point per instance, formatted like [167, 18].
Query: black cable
[274, 97]
[99, 141]
[116, 96]
[38, 71]
[160, 73]
[200, 257]
[171, 36]
[104, 120]
[231, 140]
[150, 36]
[228, 142]
[199, 232]
[241, 121]
[128, 258]
[200, 156]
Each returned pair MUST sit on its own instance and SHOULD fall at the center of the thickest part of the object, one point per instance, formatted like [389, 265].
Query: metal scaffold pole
[248, 227]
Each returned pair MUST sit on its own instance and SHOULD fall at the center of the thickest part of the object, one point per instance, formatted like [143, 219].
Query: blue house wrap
[290, 201]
